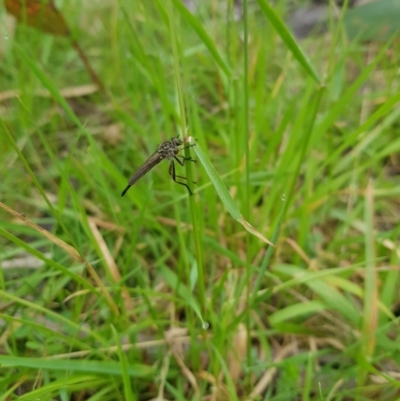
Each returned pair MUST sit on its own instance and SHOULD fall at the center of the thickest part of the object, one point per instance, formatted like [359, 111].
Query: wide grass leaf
[296, 311]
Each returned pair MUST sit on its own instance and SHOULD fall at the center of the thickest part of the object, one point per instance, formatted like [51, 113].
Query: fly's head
[176, 141]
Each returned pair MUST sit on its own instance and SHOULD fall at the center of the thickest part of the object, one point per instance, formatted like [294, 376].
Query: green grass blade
[99, 367]
[198, 28]
[54, 264]
[290, 42]
[193, 206]
[72, 382]
[184, 292]
[50, 86]
[224, 194]
[124, 367]
[56, 316]
[296, 310]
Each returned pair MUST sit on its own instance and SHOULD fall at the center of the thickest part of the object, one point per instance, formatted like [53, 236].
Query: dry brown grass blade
[110, 262]
[253, 231]
[267, 377]
[95, 78]
[70, 250]
[238, 351]
[297, 248]
[69, 92]
[178, 352]
[144, 345]
[163, 377]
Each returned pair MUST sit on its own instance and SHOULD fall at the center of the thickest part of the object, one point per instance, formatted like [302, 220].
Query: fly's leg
[182, 163]
[173, 175]
[184, 159]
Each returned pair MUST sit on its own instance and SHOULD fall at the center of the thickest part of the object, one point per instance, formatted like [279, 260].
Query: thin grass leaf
[128, 395]
[269, 252]
[50, 262]
[100, 367]
[230, 384]
[184, 292]
[50, 86]
[282, 30]
[371, 311]
[72, 382]
[74, 327]
[198, 28]
[39, 327]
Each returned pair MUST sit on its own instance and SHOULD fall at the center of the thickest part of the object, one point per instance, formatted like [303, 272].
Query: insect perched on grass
[167, 150]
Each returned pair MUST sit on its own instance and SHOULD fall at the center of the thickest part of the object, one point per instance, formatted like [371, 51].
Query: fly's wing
[152, 161]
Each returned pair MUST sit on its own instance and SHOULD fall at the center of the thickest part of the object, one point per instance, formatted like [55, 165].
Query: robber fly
[167, 150]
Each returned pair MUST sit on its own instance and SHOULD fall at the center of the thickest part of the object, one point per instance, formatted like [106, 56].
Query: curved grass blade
[296, 310]
[290, 42]
[224, 194]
